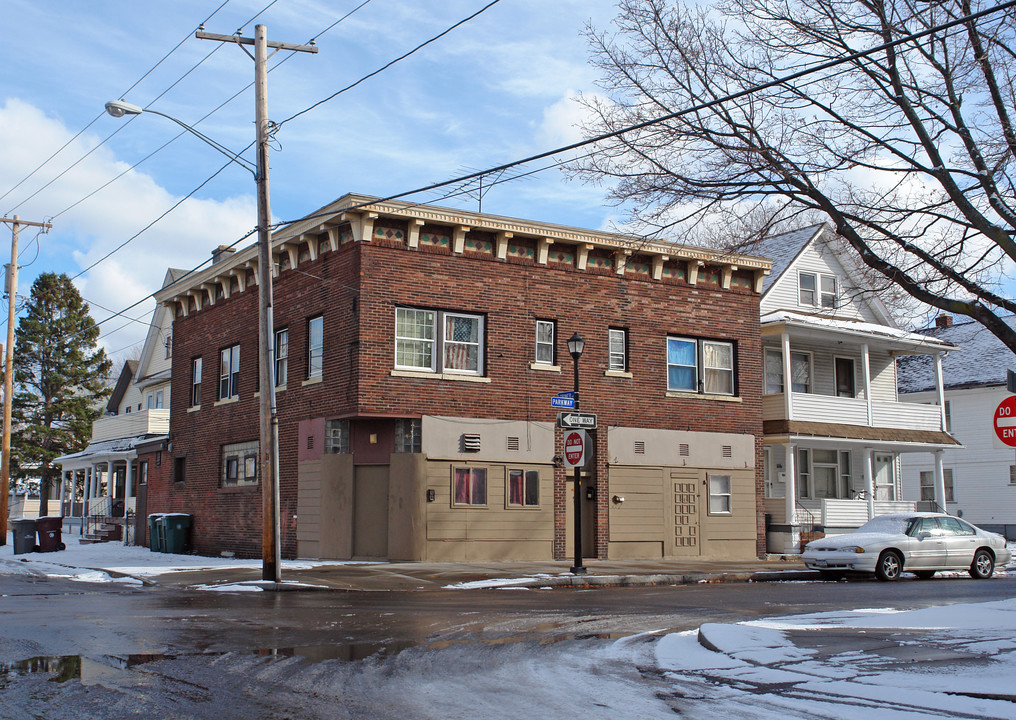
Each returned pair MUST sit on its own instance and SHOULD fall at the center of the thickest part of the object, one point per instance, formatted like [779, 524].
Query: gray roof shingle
[982, 360]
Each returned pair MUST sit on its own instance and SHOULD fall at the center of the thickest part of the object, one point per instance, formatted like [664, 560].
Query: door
[370, 511]
[960, 541]
[588, 486]
[686, 514]
[927, 546]
[844, 377]
[885, 478]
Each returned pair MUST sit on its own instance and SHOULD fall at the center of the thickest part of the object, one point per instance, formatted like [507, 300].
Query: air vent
[310, 442]
[640, 447]
[470, 443]
[682, 449]
[727, 451]
[513, 444]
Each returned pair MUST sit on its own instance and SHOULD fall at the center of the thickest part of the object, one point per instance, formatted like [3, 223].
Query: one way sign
[569, 420]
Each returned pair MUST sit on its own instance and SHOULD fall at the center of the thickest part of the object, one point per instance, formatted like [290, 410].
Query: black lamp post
[575, 347]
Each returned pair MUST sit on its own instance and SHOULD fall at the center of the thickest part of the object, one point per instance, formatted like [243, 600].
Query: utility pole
[12, 291]
[268, 438]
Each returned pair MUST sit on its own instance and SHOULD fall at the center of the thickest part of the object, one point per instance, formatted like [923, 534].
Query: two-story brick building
[418, 349]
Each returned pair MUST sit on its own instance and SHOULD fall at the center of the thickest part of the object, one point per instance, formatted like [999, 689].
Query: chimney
[943, 321]
[221, 253]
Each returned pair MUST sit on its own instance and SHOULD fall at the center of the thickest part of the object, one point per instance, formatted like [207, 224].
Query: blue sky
[494, 90]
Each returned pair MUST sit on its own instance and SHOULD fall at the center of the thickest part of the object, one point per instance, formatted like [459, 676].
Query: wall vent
[727, 451]
[682, 449]
[310, 442]
[513, 444]
[470, 443]
[640, 447]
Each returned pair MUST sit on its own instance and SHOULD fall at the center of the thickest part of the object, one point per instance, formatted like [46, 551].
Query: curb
[598, 581]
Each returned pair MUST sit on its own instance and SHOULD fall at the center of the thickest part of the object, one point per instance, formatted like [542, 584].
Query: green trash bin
[154, 543]
[23, 530]
[177, 532]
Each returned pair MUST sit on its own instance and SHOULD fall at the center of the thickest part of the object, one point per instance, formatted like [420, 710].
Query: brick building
[418, 349]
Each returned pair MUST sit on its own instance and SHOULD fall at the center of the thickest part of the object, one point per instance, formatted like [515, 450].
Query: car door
[960, 540]
[927, 549]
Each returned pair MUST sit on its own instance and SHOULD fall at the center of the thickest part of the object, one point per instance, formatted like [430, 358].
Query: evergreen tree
[59, 380]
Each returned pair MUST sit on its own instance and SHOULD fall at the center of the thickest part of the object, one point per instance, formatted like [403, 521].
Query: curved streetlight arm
[119, 108]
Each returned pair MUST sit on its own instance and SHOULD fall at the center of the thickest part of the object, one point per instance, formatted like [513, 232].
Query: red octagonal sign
[1005, 421]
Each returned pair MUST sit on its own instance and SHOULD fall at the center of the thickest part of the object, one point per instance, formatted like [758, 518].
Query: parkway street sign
[569, 420]
[561, 401]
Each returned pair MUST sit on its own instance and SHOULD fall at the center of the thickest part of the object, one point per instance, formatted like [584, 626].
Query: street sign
[1005, 421]
[569, 420]
[576, 445]
[567, 393]
[562, 402]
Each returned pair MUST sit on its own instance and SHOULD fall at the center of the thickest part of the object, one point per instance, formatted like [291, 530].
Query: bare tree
[908, 151]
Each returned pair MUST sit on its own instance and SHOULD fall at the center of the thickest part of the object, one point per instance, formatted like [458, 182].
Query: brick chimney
[221, 253]
[943, 321]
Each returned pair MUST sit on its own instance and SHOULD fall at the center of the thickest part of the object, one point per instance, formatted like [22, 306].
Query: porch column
[940, 390]
[869, 482]
[788, 399]
[128, 478]
[866, 371]
[939, 481]
[63, 484]
[791, 485]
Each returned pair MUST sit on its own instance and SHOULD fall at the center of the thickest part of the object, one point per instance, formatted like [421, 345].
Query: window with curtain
[470, 486]
[422, 337]
[705, 366]
[523, 488]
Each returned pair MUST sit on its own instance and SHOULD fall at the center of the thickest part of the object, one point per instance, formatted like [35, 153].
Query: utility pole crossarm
[240, 40]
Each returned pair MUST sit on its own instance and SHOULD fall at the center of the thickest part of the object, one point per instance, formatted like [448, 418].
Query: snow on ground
[116, 562]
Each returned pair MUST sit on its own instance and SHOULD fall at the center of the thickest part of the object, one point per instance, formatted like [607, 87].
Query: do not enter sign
[576, 445]
[1005, 421]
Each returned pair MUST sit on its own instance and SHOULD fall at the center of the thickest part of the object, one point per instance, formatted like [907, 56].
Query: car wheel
[983, 565]
[924, 574]
[889, 566]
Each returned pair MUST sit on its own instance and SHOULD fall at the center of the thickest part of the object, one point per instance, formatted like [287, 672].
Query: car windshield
[891, 524]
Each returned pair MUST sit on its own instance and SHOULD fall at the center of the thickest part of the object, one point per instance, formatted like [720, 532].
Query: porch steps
[108, 530]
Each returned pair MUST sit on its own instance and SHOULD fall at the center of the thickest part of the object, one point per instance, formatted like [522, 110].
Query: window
[470, 486]
[817, 290]
[703, 366]
[806, 288]
[545, 342]
[523, 488]
[803, 473]
[336, 436]
[948, 416]
[239, 464]
[195, 382]
[179, 469]
[844, 369]
[719, 495]
[1012, 474]
[155, 400]
[408, 436]
[281, 357]
[928, 485]
[800, 372]
[419, 343]
[150, 401]
[774, 372]
[229, 373]
[315, 346]
[617, 348]
[169, 347]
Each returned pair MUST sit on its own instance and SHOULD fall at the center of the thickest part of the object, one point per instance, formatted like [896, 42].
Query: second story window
[435, 341]
[817, 290]
[315, 346]
[617, 340]
[195, 382]
[281, 357]
[229, 372]
[702, 366]
[545, 342]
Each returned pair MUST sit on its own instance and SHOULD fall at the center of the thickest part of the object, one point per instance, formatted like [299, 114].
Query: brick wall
[357, 288]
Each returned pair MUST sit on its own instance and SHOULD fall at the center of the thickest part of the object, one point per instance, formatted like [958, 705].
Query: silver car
[921, 543]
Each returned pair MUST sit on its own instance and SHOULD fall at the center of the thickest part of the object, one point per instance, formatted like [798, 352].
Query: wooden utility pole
[12, 292]
[271, 552]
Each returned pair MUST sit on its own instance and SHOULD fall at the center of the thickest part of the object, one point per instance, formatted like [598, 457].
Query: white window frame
[281, 357]
[196, 367]
[547, 346]
[438, 343]
[720, 493]
[928, 488]
[229, 372]
[819, 295]
[810, 387]
[617, 349]
[778, 355]
[699, 369]
[315, 346]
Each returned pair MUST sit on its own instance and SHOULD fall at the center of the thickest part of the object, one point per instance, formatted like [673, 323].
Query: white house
[980, 477]
[834, 433]
[103, 480]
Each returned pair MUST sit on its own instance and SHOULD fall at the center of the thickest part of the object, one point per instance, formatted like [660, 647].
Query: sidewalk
[114, 562]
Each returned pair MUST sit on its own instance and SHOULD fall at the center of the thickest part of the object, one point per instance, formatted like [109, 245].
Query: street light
[575, 347]
[268, 419]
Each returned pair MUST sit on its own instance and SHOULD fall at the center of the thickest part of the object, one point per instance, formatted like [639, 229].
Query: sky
[498, 88]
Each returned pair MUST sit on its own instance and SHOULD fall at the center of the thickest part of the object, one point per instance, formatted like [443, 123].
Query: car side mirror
[924, 535]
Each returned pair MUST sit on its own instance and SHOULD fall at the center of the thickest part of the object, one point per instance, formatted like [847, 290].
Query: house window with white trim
[315, 346]
[281, 357]
[928, 485]
[702, 366]
[817, 290]
[438, 341]
[196, 382]
[544, 342]
[617, 347]
[229, 372]
[720, 496]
